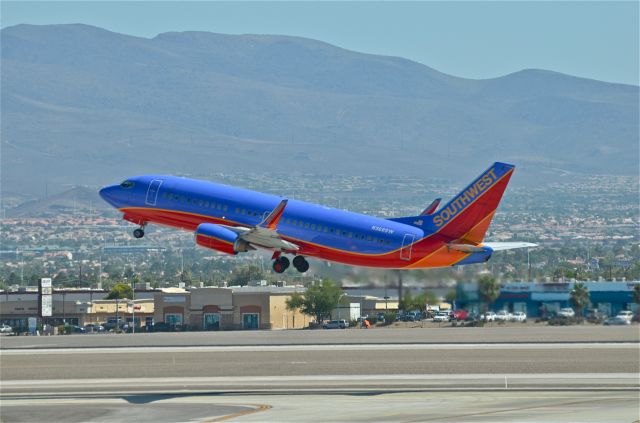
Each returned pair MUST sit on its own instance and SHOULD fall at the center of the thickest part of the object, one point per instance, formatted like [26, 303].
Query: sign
[45, 297]
[45, 284]
[46, 306]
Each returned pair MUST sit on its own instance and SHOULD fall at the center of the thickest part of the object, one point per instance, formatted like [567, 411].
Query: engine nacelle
[218, 238]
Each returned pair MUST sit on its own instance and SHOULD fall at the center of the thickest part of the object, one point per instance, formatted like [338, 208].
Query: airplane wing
[265, 235]
[499, 246]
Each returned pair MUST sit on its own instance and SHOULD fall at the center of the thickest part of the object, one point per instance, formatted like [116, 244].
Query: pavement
[492, 333]
[545, 374]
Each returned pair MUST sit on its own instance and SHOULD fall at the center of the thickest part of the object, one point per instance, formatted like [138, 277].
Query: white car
[626, 314]
[503, 316]
[441, 316]
[489, 316]
[567, 312]
[519, 316]
[336, 324]
[6, 329]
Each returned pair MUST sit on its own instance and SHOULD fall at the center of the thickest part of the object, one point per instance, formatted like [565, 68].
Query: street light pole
[133, 306]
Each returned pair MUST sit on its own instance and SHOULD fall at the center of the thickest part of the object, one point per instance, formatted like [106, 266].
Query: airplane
[235, 220]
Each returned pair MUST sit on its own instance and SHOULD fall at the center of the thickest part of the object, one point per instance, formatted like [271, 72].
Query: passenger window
[369, 238]
[206, 204]
[237, 210]
[287, 221]
[225, 208]
[325, 229]
[350, 235]
[306, 225]
[244, 211]
[182, 198]
[331, 230]
[294, 222]
[313, 226]
[200, 203]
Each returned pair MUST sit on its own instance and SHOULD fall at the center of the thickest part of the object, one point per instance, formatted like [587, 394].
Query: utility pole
[528, 265]
[399, 286]
[133, 306]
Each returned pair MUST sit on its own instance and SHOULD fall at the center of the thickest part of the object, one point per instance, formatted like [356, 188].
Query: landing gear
[138, 233]
[301, 264]
[280, 264]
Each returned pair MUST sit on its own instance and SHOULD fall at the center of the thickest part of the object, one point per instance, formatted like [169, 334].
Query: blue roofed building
[536, 298]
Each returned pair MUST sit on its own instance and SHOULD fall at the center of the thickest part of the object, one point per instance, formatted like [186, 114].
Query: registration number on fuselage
[382, 229]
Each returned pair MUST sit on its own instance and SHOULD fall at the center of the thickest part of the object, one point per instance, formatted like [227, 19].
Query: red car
[459, 315]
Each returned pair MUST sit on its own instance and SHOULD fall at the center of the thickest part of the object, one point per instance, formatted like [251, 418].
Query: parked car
[441, 316]
[519, 316]
[412, 316]
[111, 324]
[616, 320]
[566, 312]
[459, 315]
[6, 329]
[160, 327]
[336, 324]
[503, 316]
[76, 329]
[626, 314]
[94, 328]
[380, 317]
[489, 316]
[594, 316]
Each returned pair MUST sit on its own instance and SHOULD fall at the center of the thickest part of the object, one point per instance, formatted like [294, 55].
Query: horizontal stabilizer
[466, 248]
[499, 246]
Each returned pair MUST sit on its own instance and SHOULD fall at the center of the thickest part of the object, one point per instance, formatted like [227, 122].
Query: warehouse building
[535, 299]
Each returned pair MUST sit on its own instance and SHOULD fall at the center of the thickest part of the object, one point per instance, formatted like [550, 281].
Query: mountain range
[83, 105]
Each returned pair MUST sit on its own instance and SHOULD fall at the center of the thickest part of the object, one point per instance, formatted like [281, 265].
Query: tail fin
[467, 216]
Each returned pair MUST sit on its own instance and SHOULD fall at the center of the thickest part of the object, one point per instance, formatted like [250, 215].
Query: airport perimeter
[446, 374]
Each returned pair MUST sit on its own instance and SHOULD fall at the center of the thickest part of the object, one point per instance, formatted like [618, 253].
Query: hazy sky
[473, 39]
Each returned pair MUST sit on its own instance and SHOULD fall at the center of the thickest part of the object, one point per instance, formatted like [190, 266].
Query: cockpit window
[127, 184]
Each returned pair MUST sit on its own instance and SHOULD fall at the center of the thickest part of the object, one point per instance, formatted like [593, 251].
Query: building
[74, 307]
[536, 299]
[248, 307]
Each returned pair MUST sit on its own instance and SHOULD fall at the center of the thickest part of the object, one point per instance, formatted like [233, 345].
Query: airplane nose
[108, 194]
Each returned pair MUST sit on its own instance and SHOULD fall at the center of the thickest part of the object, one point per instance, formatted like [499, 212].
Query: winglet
[431, 208]
[271, 221]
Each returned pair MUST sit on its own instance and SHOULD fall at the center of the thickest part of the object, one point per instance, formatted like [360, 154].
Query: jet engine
[219, 238]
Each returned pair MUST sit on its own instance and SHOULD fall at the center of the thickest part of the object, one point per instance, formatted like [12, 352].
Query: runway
[344, 380]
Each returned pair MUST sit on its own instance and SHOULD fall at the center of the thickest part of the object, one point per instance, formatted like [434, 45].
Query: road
[535, 374]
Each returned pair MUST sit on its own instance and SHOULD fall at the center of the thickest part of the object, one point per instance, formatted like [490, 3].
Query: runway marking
[259, 408]
[324, 347]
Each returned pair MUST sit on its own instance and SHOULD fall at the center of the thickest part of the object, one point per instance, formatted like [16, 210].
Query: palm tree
[488, 289]
[579, 298]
